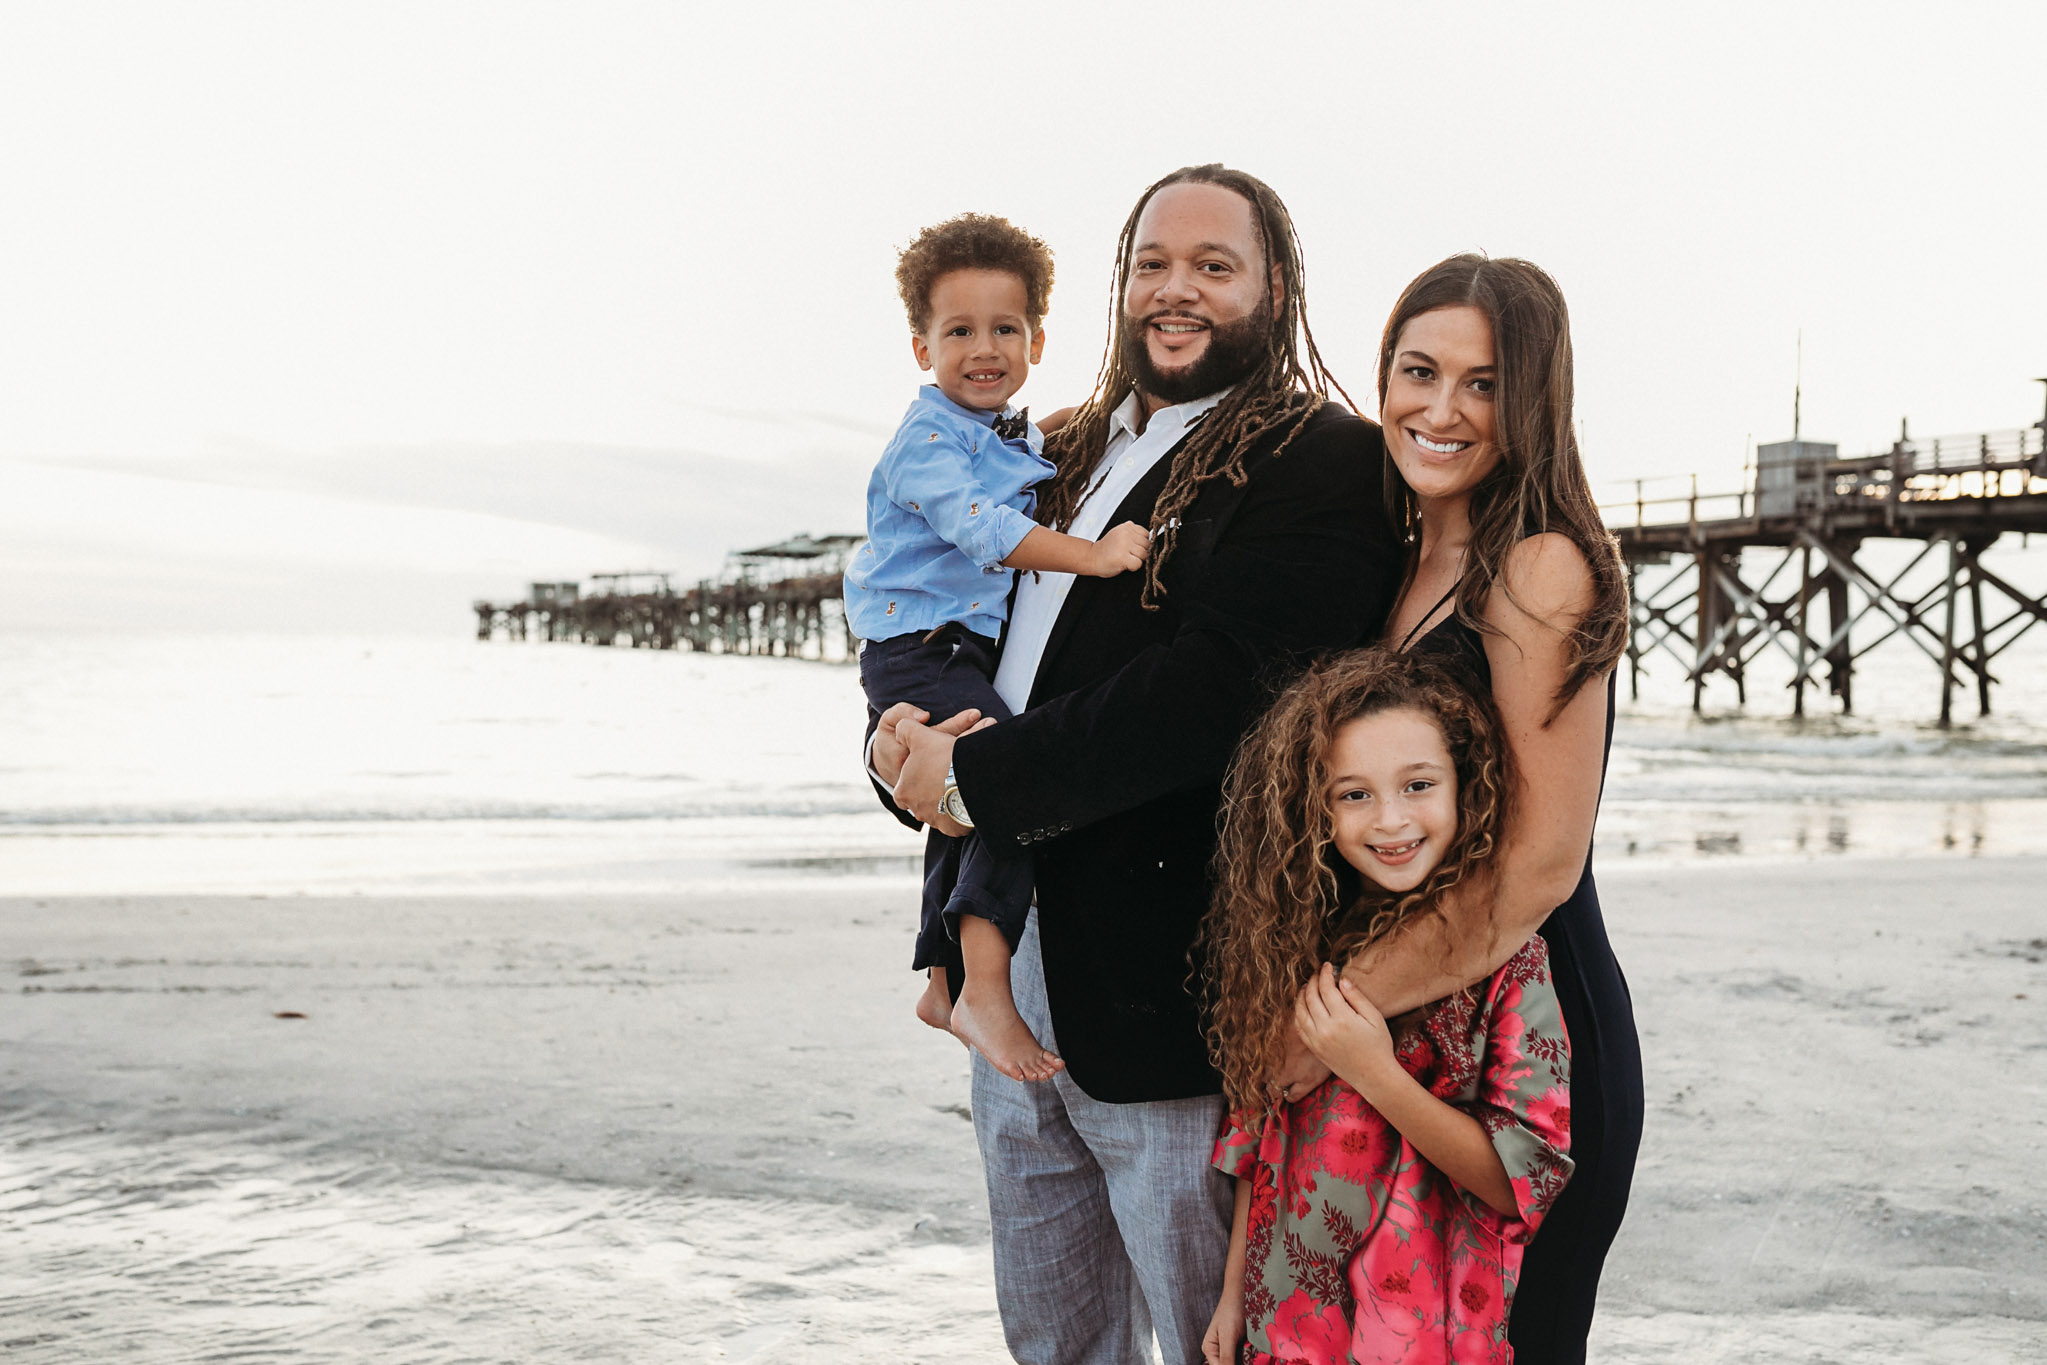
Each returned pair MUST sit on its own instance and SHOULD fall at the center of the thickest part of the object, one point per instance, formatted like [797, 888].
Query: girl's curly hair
[1285, 900]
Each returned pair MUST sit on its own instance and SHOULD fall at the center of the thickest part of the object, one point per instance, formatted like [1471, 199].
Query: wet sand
[702, 1124]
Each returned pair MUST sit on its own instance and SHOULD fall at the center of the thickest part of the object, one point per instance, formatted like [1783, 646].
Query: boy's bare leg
[985, 1017]
[934, 1007]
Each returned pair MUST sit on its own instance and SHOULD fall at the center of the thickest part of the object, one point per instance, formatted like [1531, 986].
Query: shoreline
[684, 855]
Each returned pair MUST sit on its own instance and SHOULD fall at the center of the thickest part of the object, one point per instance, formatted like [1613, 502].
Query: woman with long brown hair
[1512, 576]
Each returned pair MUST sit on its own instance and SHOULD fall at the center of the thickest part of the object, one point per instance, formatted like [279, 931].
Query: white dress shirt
[1127, 458]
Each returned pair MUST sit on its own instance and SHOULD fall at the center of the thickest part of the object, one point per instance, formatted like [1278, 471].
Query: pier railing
[1980, 464]
[1808, 592]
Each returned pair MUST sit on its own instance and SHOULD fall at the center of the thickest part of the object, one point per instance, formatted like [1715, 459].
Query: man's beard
[1233, 351]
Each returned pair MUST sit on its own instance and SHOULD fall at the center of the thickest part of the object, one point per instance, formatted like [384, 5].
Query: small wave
[791, 806]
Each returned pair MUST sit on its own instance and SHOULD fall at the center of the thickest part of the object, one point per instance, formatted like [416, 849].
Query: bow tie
[1014, 428]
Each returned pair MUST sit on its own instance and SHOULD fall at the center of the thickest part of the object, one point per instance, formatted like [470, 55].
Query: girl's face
[1439, 408]
[1392, 796]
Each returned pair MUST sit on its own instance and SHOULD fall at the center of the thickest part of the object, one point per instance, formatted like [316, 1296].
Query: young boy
[948, 519]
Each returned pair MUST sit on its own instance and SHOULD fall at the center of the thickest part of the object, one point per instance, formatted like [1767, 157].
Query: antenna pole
[1798, 384]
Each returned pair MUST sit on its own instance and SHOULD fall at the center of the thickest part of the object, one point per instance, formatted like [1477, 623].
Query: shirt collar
[981, 415]
[1179, 416]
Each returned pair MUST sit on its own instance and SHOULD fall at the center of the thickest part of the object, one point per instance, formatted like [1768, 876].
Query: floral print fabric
[1359, 1249]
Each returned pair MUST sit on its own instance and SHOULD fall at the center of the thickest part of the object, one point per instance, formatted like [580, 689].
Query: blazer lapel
[1136, 506]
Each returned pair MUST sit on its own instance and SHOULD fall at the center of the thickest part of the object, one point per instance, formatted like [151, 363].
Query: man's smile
[1172, 329]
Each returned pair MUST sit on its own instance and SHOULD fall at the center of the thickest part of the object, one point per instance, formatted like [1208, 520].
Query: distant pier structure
[781, 599]
[1785, 565]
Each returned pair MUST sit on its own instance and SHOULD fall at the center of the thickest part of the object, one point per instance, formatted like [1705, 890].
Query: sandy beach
[703, 1125]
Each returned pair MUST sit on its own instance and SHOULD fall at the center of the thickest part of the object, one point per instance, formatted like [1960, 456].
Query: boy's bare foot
[993, 1028]
[934, 1007]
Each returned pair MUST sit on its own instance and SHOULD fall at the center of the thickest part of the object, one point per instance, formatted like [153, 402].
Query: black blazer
[1113, 776]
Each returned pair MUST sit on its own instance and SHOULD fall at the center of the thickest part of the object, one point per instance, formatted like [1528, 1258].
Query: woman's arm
[1557, 770]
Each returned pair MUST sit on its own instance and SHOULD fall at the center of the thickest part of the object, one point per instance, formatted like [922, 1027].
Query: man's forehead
[1198, 215]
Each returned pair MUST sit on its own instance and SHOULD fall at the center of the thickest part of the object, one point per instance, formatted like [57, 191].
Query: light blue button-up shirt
[948, 502]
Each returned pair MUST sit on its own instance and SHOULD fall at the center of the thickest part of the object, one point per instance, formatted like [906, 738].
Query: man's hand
[889, 750]
[1121, 550]
[1051, 422]
[922, 784]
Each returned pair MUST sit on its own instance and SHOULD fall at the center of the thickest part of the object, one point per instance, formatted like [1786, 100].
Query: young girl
[1382, 1216]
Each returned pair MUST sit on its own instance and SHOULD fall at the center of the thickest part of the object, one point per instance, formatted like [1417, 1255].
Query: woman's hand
[1344, 1029]
[1300, 1071]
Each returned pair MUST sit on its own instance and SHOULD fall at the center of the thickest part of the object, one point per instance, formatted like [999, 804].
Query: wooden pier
[1786, 563]
[782, 599]
[1716, 580]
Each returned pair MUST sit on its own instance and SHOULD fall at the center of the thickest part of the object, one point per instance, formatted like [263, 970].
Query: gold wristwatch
[952, 803]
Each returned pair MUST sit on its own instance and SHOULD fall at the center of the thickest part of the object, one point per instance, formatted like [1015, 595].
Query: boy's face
[980, 346]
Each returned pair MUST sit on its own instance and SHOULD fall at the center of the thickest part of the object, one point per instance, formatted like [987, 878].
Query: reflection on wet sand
[1677, 831]
[190, 1247]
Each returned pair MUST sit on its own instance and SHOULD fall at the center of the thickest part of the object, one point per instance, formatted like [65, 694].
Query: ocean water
[322, 764]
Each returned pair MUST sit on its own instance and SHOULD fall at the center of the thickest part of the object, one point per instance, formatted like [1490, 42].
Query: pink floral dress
[1359, 1249]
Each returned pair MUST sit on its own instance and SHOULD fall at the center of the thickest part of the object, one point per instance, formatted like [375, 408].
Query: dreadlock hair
[1539, 483]
[1286, 386]
[1285, 900]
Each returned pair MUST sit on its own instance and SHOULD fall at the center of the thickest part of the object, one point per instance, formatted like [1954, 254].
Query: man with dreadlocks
[1211, 424]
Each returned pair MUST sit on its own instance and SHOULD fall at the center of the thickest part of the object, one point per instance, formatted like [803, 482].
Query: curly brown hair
[1539, 483]
[1285, 900]
[1287, 386]
[974, 241]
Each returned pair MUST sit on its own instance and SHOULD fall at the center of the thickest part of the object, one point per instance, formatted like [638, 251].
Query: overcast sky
[302, 229]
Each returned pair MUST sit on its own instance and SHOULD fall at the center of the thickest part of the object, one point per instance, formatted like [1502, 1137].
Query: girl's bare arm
[1352, 1039]
[1226, 1328]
